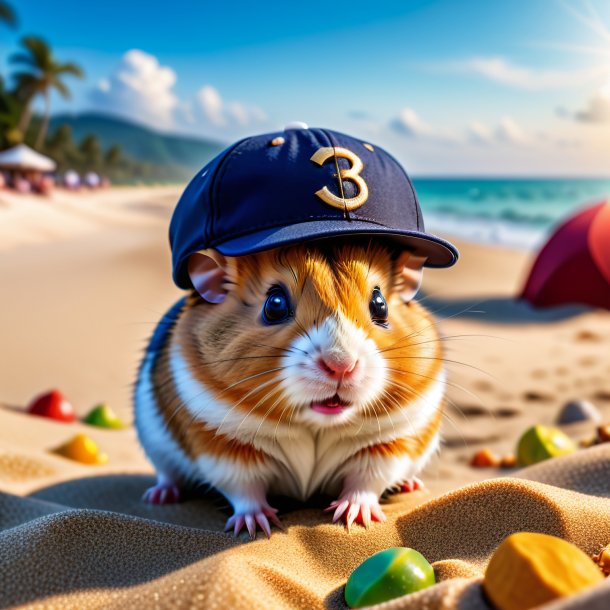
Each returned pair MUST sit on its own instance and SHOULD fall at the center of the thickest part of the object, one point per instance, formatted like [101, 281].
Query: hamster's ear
[408, 271]
[208, 272]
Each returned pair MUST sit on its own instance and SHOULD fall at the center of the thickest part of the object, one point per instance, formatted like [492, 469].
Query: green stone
[388, 574]
[540, 443]
[103, 416]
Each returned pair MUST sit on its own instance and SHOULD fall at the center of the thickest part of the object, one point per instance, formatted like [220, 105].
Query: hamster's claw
[363, 510]
[412, 484]
[250, 520]
[162, 493]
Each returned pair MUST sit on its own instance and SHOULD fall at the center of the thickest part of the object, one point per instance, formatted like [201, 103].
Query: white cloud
[221, 113]
[211, 103]
[598, 108]
[139, 88]
[507, 131]
[504, 71]
[511, 132]
[409, 123]
[480, 133]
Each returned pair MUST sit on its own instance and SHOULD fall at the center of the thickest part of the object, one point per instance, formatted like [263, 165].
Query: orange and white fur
[330, 400]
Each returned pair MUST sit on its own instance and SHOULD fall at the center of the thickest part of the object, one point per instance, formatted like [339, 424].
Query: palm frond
[8, 14]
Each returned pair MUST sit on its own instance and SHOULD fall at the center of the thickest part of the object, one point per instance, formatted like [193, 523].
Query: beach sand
[86, 276]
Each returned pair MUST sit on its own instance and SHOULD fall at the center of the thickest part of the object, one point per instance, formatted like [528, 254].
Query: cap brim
[439, 252]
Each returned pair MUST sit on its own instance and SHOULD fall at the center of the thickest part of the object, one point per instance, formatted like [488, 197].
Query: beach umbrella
[574, 264]
[22, 157]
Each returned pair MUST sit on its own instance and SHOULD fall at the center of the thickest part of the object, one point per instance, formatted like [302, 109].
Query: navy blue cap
[297, 185]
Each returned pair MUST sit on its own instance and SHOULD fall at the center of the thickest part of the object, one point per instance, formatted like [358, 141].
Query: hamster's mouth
[331, 406]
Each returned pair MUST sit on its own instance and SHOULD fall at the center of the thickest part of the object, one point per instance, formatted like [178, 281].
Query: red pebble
[54, 405]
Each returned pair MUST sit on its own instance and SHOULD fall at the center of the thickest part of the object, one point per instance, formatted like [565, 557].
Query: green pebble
[104, 417]
[540, 443]
[388, 574]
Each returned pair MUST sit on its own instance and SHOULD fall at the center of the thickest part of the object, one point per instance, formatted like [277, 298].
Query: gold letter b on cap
[352, 173]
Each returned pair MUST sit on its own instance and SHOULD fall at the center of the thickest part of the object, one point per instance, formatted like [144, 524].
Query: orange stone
[484, 458]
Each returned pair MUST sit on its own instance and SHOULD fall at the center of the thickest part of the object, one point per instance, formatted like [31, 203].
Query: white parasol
[24, 158]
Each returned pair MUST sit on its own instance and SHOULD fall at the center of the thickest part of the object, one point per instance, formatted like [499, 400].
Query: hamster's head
[324, 335]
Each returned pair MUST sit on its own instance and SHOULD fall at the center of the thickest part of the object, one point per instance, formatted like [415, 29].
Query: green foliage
[10, 111]
[141, 143]
[121, 150]
[40, 73]
[89, 155]
[8, 15]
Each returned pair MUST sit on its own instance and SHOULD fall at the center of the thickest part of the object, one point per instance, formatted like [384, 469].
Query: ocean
[512, 212]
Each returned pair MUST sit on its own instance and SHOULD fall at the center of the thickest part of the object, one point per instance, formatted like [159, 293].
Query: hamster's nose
[337, 368]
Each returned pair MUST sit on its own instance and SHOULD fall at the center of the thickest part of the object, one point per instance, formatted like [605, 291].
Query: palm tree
[8, 15]
[42, 73]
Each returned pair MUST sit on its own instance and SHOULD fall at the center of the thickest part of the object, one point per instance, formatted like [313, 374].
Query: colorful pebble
[484, 458]
[104, 417]
[540, 443]
[81, 448]
[386, 575]
[529, 569]
[53, 405]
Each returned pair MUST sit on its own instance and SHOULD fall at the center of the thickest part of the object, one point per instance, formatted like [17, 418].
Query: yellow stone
[530, 569]
[82, 448]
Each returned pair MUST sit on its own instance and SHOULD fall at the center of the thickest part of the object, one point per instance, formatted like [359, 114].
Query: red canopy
[574, 264]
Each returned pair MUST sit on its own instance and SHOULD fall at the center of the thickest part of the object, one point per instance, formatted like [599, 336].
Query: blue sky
[450, 87]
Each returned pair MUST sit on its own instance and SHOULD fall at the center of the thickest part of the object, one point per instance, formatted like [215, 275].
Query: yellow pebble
[82, 448]
[530, 569]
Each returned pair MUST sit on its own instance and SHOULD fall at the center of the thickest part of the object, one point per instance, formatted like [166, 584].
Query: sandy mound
[78, 544]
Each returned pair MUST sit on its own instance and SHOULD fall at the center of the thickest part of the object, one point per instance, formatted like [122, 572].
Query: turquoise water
[514, 212]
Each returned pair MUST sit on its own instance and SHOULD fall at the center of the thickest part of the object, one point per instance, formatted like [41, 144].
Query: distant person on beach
[71, 180]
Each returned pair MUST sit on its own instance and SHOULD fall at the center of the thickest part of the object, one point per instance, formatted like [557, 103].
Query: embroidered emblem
[321, 156]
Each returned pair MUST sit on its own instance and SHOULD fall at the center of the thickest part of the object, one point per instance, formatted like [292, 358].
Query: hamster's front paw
[409, 485]
[251, 518]
[357, 506]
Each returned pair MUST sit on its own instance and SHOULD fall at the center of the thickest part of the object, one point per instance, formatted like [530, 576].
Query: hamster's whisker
[254, 390]
[213, 362]
[380, 402]
[299, 325]
[277, 425]
[267, 413]
[203, 392]
[289, 350]
[401, 407]
[444, 412]
[443, 338]
[267, 372]
[462, 311]
[260, 401]
[417, 332]
[447, 360]
[445, 382]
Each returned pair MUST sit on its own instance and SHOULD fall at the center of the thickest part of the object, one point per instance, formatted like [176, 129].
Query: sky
[470, 88]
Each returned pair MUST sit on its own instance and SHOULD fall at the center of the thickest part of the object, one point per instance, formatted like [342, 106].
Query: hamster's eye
[277, 306]
[378, 308]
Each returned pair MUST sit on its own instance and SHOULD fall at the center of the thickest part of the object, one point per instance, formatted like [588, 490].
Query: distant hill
[141, 143]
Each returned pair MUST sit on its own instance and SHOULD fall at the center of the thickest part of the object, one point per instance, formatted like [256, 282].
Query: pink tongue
[329, 407]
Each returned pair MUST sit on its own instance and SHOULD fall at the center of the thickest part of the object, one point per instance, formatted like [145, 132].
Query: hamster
[300, 370]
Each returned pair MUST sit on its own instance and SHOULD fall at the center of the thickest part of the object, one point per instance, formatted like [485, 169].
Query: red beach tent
[574, 264]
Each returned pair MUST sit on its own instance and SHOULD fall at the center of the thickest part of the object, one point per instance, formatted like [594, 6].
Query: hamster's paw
[357, 506]
[164, 492]
[253, 518]
[412, 484]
